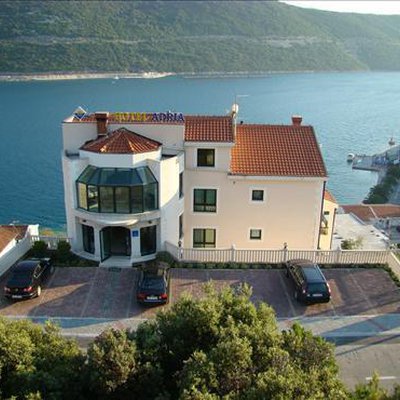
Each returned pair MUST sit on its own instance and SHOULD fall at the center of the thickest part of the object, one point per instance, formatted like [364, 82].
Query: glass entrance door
[148, 240]
[105, 238]
[115, 241]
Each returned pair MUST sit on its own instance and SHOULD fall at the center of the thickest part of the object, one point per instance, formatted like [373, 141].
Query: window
[257, 195]
[117, 190]
[181, 226]
[88, 238]
[181, 185]
[255, 234]
[204, 238]
[205, 200]
[205, 157]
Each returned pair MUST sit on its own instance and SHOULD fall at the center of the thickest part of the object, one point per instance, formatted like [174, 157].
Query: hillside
[191, 37]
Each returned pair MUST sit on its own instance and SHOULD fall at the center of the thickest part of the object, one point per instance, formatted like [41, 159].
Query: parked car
[153, 285]
[27, 278]
[310, 283]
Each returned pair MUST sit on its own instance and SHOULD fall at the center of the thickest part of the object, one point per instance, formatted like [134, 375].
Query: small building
[15, 241]
[134, 181]
[385, 217]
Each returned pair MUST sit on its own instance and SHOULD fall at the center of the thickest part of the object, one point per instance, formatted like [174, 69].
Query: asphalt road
[358, 361]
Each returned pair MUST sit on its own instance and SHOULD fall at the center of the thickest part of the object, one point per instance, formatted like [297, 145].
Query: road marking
[292, 309]
[93, 278]
[381, 378]
[366, 298]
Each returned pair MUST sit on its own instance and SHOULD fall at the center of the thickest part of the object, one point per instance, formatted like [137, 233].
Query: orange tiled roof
[10, 232]
[368, 212]
[277, 150]
[329, 196]
[208, 129]
[122, 141]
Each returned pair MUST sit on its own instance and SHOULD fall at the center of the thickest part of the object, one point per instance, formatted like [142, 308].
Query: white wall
[170, 204]
[75, 134]
[15, 250]
[222, 155]
[120, 160]
[291, 211]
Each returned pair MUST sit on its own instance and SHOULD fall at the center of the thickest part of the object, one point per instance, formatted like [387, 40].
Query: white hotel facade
[136, 181]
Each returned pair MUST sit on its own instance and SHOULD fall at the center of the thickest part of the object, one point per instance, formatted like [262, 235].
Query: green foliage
[352, 244]
[63, 252]
[35, 361]
[191, 37]
[223, 346]
[379, 194]
[111, 362]
[164, 256]
[39, 249]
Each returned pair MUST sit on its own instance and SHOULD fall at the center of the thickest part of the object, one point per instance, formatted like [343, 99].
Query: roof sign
[79, 113]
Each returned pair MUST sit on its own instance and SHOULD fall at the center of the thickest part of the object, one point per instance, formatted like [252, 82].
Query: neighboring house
[385, 217]
[328, 220]
[134, 181]
[15, 241]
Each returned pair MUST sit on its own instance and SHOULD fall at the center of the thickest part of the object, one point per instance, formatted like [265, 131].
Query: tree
[38, 362]
[111, 362]
[223, 346]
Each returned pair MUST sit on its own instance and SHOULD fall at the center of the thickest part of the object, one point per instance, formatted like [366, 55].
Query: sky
[364, 7]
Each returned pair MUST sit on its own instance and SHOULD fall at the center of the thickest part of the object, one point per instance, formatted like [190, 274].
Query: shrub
[164, 256]
[39, 249]
[63, 252]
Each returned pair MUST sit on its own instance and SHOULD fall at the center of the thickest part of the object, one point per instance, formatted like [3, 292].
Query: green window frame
[206, 157]
[205, 200]
[117, 190]
[257, 195]
[255, 234]
[204, 238]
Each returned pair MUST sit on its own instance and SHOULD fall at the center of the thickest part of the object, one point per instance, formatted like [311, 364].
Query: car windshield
[316, 288]
[153, 283]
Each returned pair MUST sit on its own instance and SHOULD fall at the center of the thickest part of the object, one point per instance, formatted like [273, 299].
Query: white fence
[278, 256]
[52, 241]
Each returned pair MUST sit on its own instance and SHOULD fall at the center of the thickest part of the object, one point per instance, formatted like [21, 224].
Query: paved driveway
[110, 293]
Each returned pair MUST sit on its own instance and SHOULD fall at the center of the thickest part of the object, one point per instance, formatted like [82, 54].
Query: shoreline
[55, 76]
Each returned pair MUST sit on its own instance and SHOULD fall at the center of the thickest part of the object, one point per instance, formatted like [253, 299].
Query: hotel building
[134, 181]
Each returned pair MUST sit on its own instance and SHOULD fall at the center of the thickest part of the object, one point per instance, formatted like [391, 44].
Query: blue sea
[351, 112]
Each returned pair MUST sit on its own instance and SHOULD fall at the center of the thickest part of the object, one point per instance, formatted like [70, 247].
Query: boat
[351, 157]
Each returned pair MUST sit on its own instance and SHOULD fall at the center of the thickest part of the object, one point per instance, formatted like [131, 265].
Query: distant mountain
[185, 36]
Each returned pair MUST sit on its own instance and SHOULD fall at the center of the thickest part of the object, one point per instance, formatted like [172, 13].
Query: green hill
[229, 36]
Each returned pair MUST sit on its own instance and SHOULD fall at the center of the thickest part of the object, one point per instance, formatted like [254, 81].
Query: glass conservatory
[117, 190]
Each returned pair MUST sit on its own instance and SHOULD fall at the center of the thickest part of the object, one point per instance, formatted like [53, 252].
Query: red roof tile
[122, 141]
[277, 150]
[368, 212]
[11, 232]
[329, 196]
[208, 129]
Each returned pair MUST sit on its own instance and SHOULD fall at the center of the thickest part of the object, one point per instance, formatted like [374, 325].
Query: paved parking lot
[110, 293]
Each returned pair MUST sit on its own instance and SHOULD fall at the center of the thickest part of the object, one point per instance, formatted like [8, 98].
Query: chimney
[102, 122]
[296, 120]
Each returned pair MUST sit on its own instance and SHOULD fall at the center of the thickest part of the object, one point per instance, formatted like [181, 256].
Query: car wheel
[38, 291]
[52, 269]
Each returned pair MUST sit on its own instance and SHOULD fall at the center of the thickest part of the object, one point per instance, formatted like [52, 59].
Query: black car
[310, 283]
[27, 278]
[153, 285]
